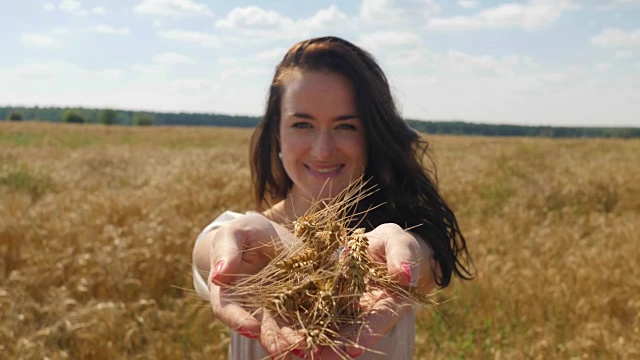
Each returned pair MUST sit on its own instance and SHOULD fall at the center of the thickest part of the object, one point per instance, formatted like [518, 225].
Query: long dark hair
[395, 153]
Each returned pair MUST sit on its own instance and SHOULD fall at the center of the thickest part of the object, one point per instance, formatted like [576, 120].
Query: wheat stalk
[316, 284]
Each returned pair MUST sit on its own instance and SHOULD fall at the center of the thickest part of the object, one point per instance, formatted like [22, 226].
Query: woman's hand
[242, 247]
[410, 261]
[408, 257]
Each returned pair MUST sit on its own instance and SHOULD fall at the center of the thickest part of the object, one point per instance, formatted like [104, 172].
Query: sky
[528, 62]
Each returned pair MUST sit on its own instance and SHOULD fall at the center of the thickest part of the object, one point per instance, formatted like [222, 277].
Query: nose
[323, 145]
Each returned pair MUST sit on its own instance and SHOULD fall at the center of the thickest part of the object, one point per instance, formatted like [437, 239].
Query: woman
[330, 119]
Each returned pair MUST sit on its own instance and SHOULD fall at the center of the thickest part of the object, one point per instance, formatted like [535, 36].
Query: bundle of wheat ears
[319, 283]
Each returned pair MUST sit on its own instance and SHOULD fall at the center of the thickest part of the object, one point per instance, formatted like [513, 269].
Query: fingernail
[407, 270]
[216, 270]
[299, 353]
[357, 353]
[246, 333]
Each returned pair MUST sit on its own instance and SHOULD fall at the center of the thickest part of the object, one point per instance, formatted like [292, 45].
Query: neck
[288, 210]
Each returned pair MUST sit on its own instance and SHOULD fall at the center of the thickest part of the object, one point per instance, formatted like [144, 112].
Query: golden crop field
[97, 225]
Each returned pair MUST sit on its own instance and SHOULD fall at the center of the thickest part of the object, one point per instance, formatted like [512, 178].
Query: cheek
[292, 145]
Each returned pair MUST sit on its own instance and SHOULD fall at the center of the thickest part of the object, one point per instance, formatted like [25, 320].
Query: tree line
[129, 118]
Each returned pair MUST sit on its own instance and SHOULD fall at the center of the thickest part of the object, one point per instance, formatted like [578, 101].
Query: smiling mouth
[325, 170]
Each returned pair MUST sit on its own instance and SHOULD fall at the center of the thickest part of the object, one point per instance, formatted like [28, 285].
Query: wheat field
[97, 225]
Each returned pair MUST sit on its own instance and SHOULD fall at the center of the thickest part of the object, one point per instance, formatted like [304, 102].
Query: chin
[329, 191]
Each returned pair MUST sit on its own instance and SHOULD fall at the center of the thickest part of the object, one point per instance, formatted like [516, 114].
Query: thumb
[225, 260]
[402, 253]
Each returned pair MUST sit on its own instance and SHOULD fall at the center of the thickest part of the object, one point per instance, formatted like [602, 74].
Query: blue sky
[530, 62]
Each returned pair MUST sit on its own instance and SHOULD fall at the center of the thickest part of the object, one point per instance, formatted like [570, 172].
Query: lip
[324, 170]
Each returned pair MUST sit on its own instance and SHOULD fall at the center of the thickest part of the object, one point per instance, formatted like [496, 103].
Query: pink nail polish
[216, 270]
[407, 270]
[299, 353]
[353, 356]
[246, 333]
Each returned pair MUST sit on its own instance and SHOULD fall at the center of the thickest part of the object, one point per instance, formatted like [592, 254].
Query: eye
[301, 125]
[347, 127]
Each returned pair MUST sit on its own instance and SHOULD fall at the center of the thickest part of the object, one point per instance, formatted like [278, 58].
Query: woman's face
[322, 138]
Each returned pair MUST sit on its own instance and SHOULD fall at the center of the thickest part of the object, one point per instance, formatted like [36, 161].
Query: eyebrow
[310, 117]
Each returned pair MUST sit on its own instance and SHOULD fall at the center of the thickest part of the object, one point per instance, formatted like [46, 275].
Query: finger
[385, 313]
[242, 249]
[231, 314]
[330, 353]
[381, 314]
[403, 257]
[226, 257]
[337, 351]
[278, 341]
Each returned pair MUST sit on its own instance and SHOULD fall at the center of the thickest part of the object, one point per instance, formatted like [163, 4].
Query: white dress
[397, 344]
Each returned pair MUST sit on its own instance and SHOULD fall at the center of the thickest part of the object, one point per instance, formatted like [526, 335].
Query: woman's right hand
[242, 247]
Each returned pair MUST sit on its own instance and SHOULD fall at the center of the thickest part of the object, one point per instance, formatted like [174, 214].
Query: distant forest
[123, 117]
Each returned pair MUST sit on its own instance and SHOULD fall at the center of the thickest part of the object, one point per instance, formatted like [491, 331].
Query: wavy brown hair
[395, 153]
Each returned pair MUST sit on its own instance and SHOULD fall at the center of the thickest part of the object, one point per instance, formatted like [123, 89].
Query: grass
[97, 226]
[22, 179]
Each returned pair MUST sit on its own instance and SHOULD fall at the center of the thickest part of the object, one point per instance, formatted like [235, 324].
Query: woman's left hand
[409, 260]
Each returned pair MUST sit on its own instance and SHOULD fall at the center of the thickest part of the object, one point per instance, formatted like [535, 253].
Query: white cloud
[204, 39]
[38, 40]
[468, 4]
[192, 85]
[61, 31]
[603, 67]
[59, 69]
[243, 72]
[397, 12]
[454, 63]
[612, 4]
[108, 30]
[35, 70]
[272, 55]
[386, 39]
[229, 60]
[511, 89]
[256, 22]
[74, 7]
[49, 6]
[532, 99]
[172, 58]
[154, 71]
[535, 15]
[612, 37]
[255, 18]
[110, 73]
[479, 64]
[622, 55]
[394, 48]
[49, 41]
[325, 18]
[172, 8]
[555, 78]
